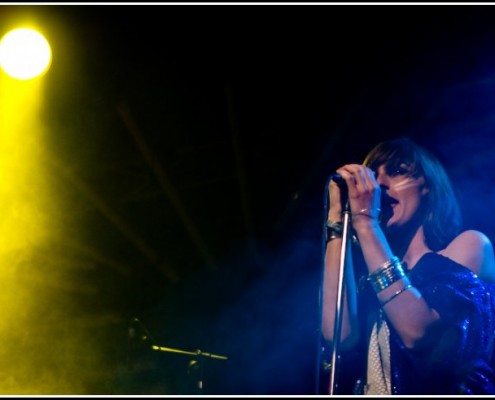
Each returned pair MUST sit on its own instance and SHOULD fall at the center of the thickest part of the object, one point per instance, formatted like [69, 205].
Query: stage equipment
[196, 364]
[344, 256]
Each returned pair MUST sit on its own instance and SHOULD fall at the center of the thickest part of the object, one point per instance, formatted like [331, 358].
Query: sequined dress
[457, 360]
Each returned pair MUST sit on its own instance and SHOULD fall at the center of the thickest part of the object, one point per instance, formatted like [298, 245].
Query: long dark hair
[442, 215]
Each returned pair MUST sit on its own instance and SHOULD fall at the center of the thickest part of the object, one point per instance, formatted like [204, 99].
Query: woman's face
[402, 194]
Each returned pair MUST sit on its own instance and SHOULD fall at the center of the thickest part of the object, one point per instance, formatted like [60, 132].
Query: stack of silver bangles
[390, 272]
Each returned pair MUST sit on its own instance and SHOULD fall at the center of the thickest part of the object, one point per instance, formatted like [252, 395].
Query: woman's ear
[424, 190]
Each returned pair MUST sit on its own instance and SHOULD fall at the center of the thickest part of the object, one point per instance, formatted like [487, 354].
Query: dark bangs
[395, 152]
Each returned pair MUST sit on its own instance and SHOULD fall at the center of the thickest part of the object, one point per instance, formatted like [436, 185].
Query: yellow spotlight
[24, 54]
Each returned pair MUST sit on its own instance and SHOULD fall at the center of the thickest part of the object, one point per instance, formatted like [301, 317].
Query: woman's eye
[399, 171]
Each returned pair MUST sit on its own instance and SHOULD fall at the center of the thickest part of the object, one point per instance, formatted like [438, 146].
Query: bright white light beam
[24, 54]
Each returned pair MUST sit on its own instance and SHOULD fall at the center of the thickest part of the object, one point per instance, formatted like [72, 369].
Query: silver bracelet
[368, 212]
[386, 275]
[406, 287]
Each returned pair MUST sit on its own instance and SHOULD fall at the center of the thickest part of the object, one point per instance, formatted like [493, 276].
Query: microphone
[337, 178]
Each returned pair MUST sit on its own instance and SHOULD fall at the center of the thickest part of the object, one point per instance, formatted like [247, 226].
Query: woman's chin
[392, 225]
[388, 221]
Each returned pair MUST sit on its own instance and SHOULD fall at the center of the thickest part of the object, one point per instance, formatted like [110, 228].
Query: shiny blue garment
[457, 359]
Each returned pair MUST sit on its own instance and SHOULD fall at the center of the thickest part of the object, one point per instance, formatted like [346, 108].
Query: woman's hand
[335, 196]
[363, 191]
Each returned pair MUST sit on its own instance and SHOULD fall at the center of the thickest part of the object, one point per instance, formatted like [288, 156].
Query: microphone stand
[340, 301]
[340, 289]
[195, 363]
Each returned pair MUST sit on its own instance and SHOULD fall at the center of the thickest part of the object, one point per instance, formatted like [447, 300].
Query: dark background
[189, 148]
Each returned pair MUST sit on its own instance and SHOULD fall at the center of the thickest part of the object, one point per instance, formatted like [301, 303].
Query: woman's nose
[382, 180]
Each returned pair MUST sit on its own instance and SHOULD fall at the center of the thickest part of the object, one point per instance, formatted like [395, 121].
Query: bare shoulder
[474, 250]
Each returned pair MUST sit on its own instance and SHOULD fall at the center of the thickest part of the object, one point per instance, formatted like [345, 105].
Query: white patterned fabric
[378, 374]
